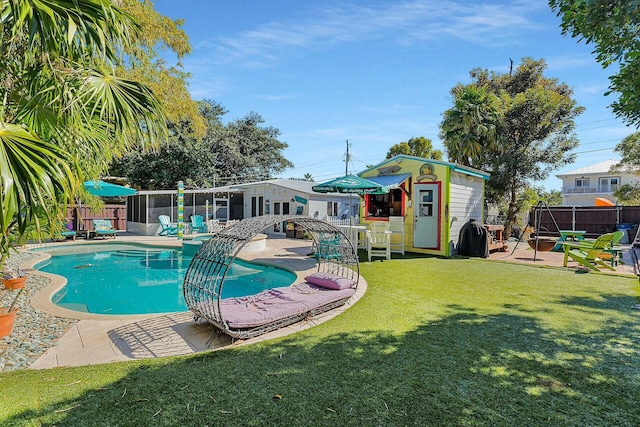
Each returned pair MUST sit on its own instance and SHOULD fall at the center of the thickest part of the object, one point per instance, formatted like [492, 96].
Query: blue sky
[377, 73]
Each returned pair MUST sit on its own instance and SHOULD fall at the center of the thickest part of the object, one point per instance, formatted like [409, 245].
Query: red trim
[439, 218]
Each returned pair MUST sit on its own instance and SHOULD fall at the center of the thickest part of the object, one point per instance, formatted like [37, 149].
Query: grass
[461, 342]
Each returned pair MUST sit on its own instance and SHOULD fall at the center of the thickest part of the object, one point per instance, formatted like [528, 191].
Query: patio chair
[103, 228]
[588, 253]
[396, 226]
[198, 224]
[166, 228]
[379, 240]
[328, 247]
[612, 253]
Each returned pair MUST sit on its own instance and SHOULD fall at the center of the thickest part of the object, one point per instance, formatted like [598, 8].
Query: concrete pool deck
[97, 339]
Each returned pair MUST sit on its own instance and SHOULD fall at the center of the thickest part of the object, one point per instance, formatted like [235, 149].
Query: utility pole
[346, 161]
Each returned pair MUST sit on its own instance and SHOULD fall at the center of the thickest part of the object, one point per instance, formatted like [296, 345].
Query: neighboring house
[581, 187]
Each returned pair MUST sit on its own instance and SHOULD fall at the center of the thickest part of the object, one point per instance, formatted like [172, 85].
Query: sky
[376, 73]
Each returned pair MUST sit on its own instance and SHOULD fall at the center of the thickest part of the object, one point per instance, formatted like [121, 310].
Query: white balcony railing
[579, 190]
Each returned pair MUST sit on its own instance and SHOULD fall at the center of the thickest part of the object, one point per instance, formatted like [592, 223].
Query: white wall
[466, 202]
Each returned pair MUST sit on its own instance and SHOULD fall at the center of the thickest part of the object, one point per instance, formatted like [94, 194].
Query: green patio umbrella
[104, 189]
[352, 184]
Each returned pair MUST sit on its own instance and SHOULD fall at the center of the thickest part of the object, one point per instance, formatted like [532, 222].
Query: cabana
[333, 285]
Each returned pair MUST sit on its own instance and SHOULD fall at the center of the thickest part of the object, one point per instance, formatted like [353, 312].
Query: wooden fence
[82, 217]
[595, 220]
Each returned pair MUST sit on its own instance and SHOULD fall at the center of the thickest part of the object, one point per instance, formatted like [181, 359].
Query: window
[609, 184]
[257, 206]
[384, 205]
[332, 208]
[582, 182]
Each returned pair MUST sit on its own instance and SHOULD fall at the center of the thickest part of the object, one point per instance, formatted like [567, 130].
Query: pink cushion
[329, 281]
[277, 304]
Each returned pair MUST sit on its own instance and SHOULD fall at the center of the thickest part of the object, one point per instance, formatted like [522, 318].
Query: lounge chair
[198, 225]
[379, 240]
[103, 228]
[588, 253]
[612, 252]
[166, 228]
[66, 231]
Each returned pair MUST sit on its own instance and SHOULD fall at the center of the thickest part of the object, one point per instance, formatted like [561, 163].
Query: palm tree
[470, 126]
[63, 108]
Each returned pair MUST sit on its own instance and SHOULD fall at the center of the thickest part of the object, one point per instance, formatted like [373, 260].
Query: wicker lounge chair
[247, 317]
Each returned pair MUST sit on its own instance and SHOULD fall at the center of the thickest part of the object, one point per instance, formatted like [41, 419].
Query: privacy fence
[595, 220]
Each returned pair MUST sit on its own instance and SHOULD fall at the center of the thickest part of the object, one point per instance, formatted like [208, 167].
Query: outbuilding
[433, 198]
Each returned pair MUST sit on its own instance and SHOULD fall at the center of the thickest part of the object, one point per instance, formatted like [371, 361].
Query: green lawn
[459, 342]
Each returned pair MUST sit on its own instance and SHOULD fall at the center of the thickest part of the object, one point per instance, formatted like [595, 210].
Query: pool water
[110, 279]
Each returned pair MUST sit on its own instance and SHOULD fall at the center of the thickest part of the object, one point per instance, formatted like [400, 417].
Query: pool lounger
[254, 315]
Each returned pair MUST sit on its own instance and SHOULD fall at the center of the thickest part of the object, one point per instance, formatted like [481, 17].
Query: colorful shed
[434, 198]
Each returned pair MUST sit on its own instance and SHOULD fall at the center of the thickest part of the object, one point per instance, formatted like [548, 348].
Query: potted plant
[13, 278]
[8, 316]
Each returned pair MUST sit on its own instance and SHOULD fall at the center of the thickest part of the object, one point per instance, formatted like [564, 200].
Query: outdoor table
[353, 234]
[568, 235]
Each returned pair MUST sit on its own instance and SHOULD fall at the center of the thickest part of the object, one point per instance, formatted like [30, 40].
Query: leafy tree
[63, 104]
[167, 82]
[419, 147]
[629, 148]
[469, 128]
[533, 117]
[612, 25]
[237, 151]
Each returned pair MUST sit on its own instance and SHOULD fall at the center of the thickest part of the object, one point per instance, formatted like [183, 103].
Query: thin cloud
[404, 23]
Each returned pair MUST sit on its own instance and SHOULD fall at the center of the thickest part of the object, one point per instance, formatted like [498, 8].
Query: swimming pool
[137, 279]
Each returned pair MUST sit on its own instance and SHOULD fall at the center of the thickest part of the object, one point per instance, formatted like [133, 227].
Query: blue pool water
[132, 279]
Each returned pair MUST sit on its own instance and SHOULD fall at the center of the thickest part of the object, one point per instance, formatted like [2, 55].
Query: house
[238, 201]
[435, 199]
[581, 187]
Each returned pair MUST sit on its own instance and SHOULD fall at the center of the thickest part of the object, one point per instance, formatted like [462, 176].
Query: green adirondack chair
[588, 253]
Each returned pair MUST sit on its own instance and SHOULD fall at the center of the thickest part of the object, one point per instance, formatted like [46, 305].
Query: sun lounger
[102, 227]
[332, 286]
[274, 305]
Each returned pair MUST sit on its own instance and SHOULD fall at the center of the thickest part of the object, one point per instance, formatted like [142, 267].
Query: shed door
[426, 223]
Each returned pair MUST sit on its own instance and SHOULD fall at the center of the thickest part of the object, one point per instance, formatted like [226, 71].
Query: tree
[419, 147]
[612, 26]
[533, 117]
[167, 82]
[59, 91]
[308, 177]
[469, 128]
[238, 151]
[629, 148]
